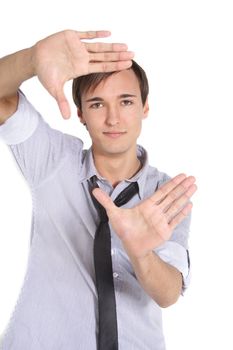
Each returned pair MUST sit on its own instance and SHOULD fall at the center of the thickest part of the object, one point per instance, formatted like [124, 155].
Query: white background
[186, 50]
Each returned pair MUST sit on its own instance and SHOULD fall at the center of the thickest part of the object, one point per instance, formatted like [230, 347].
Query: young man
[70, 295]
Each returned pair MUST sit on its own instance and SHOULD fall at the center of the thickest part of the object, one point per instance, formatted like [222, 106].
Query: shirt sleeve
[38, 149]
[175, 251]
[176, 255]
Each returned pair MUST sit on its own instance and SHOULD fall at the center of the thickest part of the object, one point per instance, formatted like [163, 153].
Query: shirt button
[115, 274]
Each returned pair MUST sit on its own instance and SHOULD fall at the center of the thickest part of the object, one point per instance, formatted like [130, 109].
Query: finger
[177, 192]
[105, 47]
[109, 66]
[166, 188]
[90, 34]
[104, 199]
[111, 56]
[180, 217]
[177, 205]
[63, 103]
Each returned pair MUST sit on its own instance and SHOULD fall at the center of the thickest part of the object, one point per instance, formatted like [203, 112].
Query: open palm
[63, 56]
[151, 222]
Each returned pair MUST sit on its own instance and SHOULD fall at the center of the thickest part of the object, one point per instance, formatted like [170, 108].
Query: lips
[114, 134]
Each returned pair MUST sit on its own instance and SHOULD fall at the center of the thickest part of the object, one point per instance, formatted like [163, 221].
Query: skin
[114, 123]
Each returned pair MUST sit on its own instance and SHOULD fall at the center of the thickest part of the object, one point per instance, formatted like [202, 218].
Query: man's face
[113, 114]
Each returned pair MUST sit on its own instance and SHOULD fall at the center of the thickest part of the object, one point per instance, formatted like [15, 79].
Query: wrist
[142, 263]
[31, 60]
[22, 66]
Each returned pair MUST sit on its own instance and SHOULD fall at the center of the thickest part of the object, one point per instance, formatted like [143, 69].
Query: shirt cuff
[21, 125]
[176, 255]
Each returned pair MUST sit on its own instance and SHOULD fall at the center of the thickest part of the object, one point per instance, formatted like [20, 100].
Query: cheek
[94, 127]
[138, 123]
[134, 127]
[92, 120]
[134, 120]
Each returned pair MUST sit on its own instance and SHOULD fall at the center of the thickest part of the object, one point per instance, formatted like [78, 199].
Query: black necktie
[107, 338]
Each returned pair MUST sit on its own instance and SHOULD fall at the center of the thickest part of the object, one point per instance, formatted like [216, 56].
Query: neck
[116, 168]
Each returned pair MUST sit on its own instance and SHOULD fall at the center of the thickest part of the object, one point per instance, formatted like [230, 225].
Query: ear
[145, 109]
[80, 115]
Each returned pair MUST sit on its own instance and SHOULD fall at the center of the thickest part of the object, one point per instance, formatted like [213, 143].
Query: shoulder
[157, 176]
[41, 128]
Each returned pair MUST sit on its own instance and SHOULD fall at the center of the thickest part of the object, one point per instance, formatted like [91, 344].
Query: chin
[112, 148]
[115, 151]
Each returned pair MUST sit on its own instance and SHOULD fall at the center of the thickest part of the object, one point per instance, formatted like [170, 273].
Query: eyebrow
[100, 99]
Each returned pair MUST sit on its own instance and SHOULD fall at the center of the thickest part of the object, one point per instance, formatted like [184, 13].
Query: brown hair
[91, 81]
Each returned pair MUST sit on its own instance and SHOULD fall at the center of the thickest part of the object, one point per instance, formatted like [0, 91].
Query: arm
[14, 69]
[160, 280]
[147, 226]
[55, 60]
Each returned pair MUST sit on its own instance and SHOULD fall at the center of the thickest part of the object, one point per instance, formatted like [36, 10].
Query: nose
[112, 116]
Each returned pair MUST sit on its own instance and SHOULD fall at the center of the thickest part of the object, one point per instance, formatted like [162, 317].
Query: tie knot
[126, 194]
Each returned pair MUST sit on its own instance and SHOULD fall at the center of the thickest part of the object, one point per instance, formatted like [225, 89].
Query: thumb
[104, 199]
[63, 103]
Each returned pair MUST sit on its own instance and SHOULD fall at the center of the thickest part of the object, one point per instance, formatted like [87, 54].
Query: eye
[126, 102]
[96, 105]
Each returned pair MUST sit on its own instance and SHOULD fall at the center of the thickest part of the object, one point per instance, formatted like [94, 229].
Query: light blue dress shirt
[57, 306]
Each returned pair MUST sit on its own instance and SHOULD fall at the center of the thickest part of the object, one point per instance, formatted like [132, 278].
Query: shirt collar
[88, 169]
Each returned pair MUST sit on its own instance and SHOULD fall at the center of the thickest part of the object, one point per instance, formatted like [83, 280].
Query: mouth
[114, 134]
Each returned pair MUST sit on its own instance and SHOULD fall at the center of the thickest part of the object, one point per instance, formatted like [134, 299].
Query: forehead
[116, 84]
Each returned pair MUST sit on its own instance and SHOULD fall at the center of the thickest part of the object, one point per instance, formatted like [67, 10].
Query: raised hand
[151, 222]
[63, 56]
